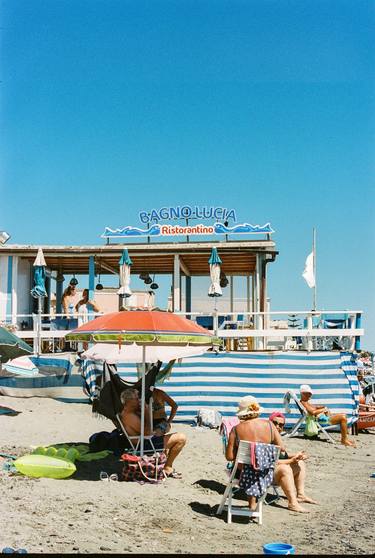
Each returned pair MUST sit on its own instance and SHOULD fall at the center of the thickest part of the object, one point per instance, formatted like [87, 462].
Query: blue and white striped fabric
[219, 381]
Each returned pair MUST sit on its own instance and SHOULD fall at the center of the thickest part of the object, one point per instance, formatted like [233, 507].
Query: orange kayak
[366, 420]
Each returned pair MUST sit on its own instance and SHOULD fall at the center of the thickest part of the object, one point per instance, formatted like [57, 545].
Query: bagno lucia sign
[159, 222]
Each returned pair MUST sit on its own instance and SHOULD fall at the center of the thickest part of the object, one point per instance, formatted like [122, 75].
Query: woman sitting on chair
[321, 411]
[161, 423]
[254, 429]
[290, 466]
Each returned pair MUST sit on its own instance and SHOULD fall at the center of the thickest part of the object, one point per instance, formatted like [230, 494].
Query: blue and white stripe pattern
[219, 381]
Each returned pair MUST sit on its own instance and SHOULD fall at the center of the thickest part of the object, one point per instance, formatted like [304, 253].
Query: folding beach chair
[290, 395]
[243, 457]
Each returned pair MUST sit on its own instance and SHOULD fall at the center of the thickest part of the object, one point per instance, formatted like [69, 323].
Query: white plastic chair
[243, 457]
[291, 395]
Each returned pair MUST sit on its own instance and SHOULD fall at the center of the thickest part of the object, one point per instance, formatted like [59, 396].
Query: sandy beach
[83, 514]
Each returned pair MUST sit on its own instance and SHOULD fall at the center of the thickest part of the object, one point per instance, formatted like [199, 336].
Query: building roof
[238, 256]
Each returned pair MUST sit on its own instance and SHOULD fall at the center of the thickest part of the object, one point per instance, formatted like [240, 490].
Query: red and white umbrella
[143, 336]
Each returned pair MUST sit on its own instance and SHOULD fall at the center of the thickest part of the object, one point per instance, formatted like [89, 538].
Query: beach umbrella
[215, 269]
[125, 263]
[140, 331]
[12, 346]
[39, 289]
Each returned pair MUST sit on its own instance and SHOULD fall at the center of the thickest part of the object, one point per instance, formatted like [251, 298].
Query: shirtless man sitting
[316, 410]
[130, 416]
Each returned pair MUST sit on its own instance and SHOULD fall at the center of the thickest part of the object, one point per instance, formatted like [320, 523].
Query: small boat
[366, 418]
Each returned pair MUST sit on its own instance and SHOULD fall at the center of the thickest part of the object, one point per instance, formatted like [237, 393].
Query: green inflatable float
[55, 463]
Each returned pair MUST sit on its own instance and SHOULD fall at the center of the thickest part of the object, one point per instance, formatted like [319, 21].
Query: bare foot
[348, 443]
[306, 499]
[297, 508]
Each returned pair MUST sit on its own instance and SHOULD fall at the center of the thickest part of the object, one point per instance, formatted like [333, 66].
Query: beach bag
[311, 428]
[209, 418]
[146, 468]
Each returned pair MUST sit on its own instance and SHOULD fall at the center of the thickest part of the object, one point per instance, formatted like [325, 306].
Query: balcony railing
[246, 331]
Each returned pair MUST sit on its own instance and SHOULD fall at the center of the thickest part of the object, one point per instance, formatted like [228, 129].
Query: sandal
[173, 475]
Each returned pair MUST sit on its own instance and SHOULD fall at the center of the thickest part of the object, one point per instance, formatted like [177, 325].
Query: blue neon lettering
[143, 217]
[186, 211]
[164, 213]
[218, 212]
[174, 212]
[231, 215]
[154, 215]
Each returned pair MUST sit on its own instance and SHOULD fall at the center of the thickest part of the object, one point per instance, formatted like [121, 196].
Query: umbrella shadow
[90, 470]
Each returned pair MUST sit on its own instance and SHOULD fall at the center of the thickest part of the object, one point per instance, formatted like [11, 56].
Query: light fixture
[99, 286]
[4, 237]
[154, 286]
[148, 280]
[73, 281]
[143, 276]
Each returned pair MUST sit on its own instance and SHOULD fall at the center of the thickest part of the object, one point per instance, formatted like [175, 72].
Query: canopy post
[143, 398]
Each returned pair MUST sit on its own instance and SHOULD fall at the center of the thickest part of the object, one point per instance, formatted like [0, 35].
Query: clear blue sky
[109, 107]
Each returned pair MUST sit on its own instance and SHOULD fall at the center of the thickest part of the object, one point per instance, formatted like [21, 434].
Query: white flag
[308, 273]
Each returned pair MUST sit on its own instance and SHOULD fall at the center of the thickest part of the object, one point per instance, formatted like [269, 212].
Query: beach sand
[83, 514]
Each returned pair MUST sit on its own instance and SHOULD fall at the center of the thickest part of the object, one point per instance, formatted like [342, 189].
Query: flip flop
[173, 475]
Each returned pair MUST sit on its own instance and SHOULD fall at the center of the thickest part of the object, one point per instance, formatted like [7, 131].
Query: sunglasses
[279, 424]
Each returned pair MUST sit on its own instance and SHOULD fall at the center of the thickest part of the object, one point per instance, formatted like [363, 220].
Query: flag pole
[314, 267]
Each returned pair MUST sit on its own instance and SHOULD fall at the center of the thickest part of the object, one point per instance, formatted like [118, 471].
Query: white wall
[3, 286]
[24, 287]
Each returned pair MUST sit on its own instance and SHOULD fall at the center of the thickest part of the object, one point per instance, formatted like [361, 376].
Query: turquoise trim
[91, 281]
[125, 258]
[9, 287]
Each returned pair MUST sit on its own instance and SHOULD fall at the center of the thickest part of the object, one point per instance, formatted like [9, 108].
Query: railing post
[309, 327]
[357, 344]
[215, 321]
[261, 327]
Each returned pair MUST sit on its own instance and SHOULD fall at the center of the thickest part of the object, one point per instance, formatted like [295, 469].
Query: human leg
[174, 443]
[299, 474]
[343, 422]
[284, 477]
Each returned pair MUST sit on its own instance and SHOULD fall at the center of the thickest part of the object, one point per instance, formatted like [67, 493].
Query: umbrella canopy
[12, 346]
[144, 327]
[125, 263]
[215, 263]
[133, 353]
[39, 289]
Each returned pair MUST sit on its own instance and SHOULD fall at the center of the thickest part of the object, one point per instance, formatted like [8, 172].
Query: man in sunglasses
[290, 471]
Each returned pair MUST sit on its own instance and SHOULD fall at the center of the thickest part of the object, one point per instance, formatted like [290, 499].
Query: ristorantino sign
[153, 217]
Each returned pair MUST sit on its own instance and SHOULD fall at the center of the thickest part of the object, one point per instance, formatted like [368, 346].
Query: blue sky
[110, 107]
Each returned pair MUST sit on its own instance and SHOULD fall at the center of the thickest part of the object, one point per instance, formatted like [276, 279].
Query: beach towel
[257, 477]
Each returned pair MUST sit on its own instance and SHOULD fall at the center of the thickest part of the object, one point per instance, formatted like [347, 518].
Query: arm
[173, 405]
[230, 452]
[277, 439]
[65, 305]
[314, 410]
[294, 458]
[95, 307]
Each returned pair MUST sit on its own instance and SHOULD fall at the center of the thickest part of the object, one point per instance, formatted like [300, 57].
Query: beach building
[274, 349]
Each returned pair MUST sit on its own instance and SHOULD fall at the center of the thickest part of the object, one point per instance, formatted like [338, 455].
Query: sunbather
[254, 429]
[316, 410]
[161, 423]
[131, 419]
[290, 466]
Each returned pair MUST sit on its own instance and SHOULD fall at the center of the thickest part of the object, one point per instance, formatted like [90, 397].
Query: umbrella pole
[143, 397]
[39, 327]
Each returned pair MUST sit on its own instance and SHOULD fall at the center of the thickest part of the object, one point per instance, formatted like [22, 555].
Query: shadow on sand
[90, 470]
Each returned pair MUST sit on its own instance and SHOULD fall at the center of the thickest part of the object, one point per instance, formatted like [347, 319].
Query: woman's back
[255, 430]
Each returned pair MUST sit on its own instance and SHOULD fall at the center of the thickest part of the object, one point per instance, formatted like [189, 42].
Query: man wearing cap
[316, 410]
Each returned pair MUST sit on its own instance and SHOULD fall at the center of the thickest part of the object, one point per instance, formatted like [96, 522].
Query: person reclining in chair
[131, 419]
[316, 410]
